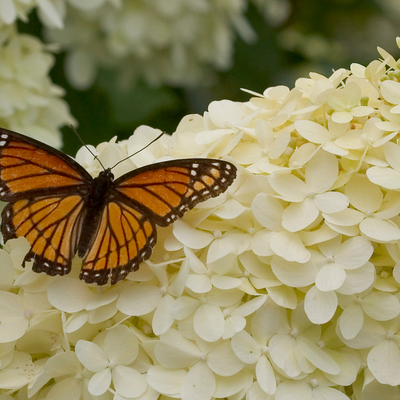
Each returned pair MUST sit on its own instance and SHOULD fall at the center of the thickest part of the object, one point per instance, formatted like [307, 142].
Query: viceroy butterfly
[61, 210]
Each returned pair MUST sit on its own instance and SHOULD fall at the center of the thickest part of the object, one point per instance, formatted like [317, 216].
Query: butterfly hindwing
[29, 168]
[51, 225]
[124, 239]
[167, 190]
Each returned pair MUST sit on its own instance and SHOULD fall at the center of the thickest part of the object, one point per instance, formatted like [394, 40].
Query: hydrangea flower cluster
[284, 287]
[176, 42]
[29, 101]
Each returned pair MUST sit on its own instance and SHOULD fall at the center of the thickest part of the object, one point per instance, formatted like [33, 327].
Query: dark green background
[349, 31]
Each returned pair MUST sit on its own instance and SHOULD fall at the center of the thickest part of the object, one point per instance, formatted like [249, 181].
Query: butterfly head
[106, 175]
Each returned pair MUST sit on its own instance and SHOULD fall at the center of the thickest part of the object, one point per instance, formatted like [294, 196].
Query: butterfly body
[95, 199]
[62, 211]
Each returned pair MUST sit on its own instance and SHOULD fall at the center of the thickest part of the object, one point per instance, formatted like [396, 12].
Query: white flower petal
[351, 321]
[100, 382]
[294, 274]
[76, 321]
[330, 277]
[199, 283]
[283, 296]
[363, 194]
[347, 217]
[354, 252]
[121, 345]
[331, 202]
[392, 154]
[174, 351]
[246, 348]
[209, 322]
[381, 306]
[384, 362]
[302, 391]
[250, 306]
[233, 325]
[341, 117]
[265, 375]
[380, 230]
[128, 382]
[63, 364]
[190, 237]
[317, 356]
[312, 131]
[166, 381]
[267, 211]
[385, 177]
[7, 11]
[184, 306]
[358, 280]
[91, 356]
[13, 328]
[390, 91]
[199, 383]
[321, 172]
[162, 318]
[289, 186]
[50, 13]
[67, 389]
[256, 393]
[289, 246]
[225, 282]
[298, 216]
[283, 352]
[229, 385]
[225, 112]
[223, 361]
[320, 306]
[139, 299]
[69, 295]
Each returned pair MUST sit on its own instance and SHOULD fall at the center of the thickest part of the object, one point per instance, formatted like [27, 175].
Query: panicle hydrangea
[178, 42]
[285, 286]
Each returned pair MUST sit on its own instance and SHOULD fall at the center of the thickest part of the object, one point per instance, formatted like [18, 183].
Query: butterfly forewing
[167, 190]
[30, 168]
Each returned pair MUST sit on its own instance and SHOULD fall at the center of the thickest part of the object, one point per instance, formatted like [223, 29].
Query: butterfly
[111, 224]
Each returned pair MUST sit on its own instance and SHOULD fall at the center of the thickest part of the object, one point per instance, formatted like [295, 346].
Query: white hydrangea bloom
[110, 363]
[285, 286]
[29, 101]
[177, 44]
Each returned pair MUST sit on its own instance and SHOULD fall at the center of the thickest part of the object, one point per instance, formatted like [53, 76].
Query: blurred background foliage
[292, 38]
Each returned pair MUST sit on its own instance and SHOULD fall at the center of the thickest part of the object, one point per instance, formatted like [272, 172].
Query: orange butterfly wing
[155, 194]
[45, 190]
[51, 225]
[31, 168]
[125, 238]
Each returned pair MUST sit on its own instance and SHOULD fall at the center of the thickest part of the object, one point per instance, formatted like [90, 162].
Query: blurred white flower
[29, 102]
[179, 44]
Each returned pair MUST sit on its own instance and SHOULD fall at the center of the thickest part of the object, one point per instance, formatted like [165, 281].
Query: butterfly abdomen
[95, 201]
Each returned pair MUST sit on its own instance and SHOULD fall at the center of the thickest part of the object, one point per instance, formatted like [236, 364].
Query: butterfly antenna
[145, 147]
[87, 147]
